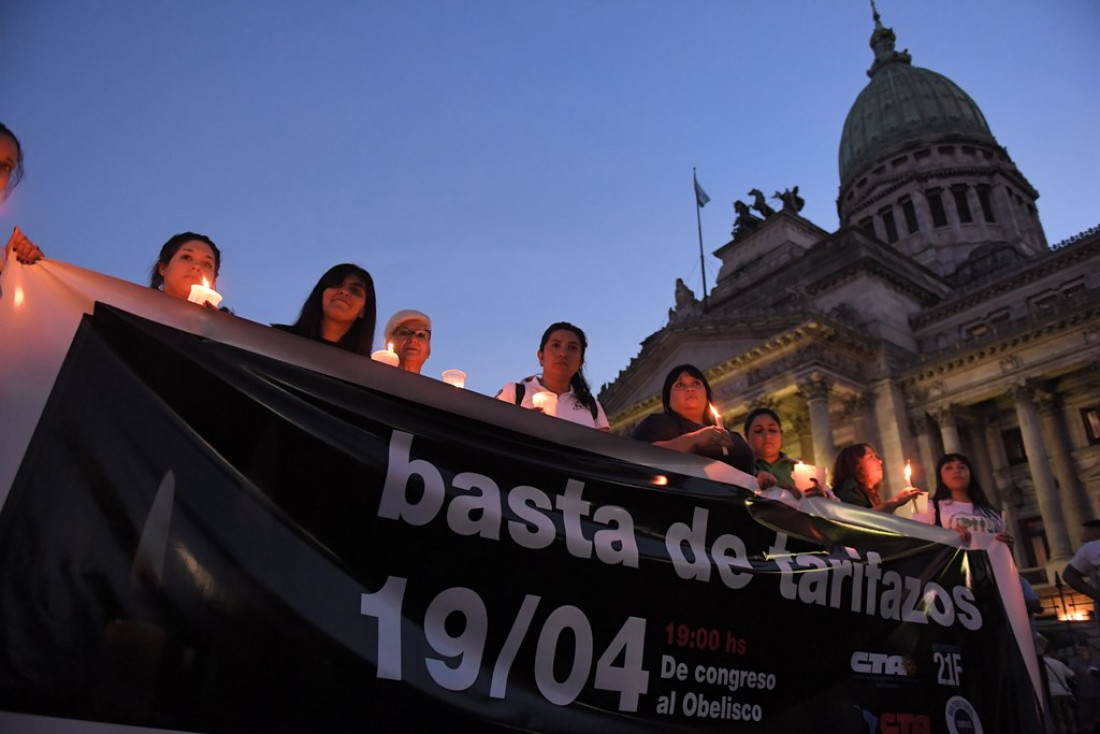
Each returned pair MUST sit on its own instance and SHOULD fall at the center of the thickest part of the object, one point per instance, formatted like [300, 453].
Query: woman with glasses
[11, 171]
[340, 310]
[410, 334]
[688, 425]
[561, 390]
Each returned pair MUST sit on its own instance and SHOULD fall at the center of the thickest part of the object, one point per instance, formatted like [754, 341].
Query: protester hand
[711, 441]
[815, 489]
[22, 249]
[964, 534]
[765, 479]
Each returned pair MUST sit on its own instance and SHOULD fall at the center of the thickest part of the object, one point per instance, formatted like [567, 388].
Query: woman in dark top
[687, 424]
[857, 474]
[340, 310]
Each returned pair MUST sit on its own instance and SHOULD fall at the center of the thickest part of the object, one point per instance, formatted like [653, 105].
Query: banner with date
[203, 538]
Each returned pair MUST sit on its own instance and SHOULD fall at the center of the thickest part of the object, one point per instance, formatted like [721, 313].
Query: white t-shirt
[1087, 558]
[569, 408]
[962, 516]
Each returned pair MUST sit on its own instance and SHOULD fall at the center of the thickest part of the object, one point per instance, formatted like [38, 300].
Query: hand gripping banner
[210, 526]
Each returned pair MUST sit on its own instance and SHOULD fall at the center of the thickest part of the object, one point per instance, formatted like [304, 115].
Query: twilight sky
[499, 164]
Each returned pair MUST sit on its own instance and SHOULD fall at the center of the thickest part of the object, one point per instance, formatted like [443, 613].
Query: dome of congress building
[904, 106]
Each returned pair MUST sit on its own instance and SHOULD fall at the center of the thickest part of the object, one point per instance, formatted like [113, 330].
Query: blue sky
[499, 164]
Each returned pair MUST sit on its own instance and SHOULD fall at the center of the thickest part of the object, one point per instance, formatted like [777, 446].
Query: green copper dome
[903, 104]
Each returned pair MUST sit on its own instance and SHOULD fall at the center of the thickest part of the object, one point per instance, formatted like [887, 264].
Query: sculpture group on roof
[746, 221]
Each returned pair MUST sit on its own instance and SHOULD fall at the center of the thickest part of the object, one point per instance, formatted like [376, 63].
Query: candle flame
[205, 282]
[660, 480]
[716, 414]
[389, 346]
[908, 472]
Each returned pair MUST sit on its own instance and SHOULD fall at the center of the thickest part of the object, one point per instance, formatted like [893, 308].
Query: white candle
[455, 377]
[716, 414]
[386, 356]
[201, 294]
[803, 476]
[546, 400]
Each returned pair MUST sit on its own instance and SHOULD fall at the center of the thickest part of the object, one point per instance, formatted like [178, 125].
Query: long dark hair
[17, 172]
[578, 384]
[172, 246]
[846, 467]
[974, 489]
[670, 380]
[360, 336]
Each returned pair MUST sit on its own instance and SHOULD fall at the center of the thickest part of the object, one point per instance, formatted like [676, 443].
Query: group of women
[341, 311]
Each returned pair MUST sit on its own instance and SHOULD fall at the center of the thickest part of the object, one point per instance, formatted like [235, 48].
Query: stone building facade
[935, 319]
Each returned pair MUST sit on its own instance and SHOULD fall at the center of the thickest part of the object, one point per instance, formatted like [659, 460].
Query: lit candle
[908, 473]
[201, 294]
[546, 400]
[803, 475]
[716, 414]
[455, 377]
[386, 356]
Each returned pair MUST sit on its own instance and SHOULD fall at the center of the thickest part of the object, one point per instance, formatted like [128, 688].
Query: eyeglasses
[423, 335]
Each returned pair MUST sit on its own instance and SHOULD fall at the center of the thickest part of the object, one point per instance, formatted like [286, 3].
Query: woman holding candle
[410, 333]
[340, 310]
[857, 474]
[561, 354]
[11, 172]
[186, 259]
[688, 424]
[764, 433]
[959, 502]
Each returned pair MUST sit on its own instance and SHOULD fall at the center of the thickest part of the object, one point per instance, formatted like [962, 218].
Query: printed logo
[877, 663]
[961, 717]
[905, 724]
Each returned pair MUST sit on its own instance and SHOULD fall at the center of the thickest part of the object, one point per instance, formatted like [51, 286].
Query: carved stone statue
[745, 222]
[760, 204]
[684, 295]
[687, 304]
[792, 202]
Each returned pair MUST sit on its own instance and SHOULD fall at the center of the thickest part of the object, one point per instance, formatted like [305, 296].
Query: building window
[868, 226]
[935, 205]
[1043, 301]
[899, 161]
[1091, 417]
[947, 150]
[921, 154]
[1035, 548]
[976, 331]
[987, 204]
[891, 227]
[961, 204]
[910, 213]
[999, 316]
[1014, 446]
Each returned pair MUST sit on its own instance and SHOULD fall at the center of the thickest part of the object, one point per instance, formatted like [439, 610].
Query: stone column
[929, 454]
[949, 429]
[892, 416]
[976, 211]
[816, 390]
[1075, 503]
[1050, 507]
[1002, 476]
[982, 464]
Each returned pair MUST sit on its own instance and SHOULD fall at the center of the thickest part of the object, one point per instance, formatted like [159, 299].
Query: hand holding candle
[202, 294]
[803, 476]
[386, 356]
[545, 401]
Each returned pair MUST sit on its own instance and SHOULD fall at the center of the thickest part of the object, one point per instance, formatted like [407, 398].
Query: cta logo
[905, 724]
[877, 663]
[961, 716]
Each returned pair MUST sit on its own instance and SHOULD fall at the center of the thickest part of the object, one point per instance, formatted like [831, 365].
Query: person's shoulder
[656, 427]
[507, 393]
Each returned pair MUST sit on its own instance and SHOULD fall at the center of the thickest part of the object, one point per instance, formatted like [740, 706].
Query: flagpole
[699, 224]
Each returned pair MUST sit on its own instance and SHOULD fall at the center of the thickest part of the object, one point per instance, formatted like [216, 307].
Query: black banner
[203, 538]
